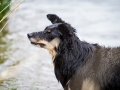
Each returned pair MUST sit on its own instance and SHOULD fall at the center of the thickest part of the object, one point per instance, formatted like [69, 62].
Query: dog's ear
[65, 31]
[54, 18]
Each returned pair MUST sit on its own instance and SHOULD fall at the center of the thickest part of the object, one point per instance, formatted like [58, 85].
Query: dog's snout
[29, 35]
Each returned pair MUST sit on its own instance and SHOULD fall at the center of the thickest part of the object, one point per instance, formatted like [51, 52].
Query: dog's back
[100, 72]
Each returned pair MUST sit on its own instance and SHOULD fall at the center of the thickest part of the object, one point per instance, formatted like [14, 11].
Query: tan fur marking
[69, 88]
[53, 53]
[49, 31]
[51, 45]
[89, 84]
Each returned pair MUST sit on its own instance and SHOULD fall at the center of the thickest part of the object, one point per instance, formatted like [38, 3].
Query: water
[25, 67]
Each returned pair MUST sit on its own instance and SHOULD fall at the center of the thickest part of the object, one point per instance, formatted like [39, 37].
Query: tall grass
[3, 4]
[3, 48]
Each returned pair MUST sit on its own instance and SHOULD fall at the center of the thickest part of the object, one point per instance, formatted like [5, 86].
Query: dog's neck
[53, 53]
[70, 54]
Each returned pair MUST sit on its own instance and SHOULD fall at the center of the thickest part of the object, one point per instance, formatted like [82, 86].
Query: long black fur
[70, 53]
[69, 57]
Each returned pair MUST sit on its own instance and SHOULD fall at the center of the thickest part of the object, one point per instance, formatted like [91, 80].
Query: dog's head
[49, 38]
[52, 35]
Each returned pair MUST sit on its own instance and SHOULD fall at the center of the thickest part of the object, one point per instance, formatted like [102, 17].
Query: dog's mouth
[40, 44]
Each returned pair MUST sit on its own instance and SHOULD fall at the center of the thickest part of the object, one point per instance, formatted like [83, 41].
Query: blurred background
[25, 67]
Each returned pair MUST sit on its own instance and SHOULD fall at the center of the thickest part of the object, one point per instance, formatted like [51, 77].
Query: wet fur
[79, 65]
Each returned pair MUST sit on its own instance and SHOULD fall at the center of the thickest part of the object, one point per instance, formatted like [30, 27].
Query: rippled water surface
[25, 67]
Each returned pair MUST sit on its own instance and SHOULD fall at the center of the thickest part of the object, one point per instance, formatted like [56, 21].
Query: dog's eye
[49, 31]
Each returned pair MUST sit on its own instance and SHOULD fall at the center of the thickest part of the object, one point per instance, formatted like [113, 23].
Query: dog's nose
[29, 35]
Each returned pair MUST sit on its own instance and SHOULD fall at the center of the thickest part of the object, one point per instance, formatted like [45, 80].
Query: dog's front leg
[89, 84]
[67, 87]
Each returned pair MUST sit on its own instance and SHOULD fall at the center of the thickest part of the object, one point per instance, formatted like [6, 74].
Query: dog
[78, 65]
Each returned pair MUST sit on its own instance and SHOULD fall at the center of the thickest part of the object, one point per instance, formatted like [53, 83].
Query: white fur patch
[89, 84]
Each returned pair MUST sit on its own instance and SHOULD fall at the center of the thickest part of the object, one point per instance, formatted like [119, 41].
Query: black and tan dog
[78, 65]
